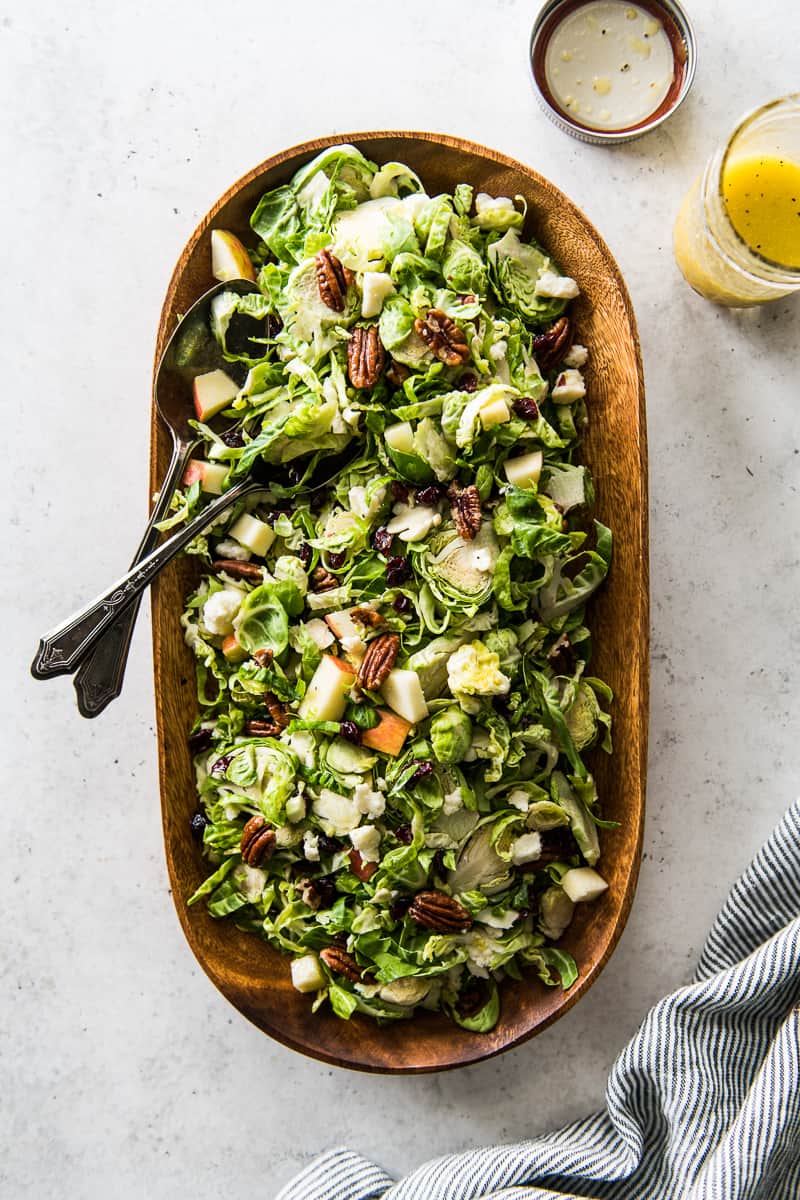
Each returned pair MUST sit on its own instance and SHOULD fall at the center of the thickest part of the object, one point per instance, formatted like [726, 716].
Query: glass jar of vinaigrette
[737, 235]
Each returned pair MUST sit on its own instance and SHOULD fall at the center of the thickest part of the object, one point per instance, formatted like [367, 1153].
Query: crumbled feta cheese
[337, 814]
[498, 350]
[453, 801]
[526, 848]
[481, 950]
[228, 548]
[413, 523]
[311, 846]
[569, 386]
[502, 921]
[366, 840]
[558, 287]
[518, 799]
[368, 801]
[576, 356]
[220, 609]
[319, 632]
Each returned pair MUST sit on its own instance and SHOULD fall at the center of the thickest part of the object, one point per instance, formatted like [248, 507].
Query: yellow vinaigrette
[762, 197]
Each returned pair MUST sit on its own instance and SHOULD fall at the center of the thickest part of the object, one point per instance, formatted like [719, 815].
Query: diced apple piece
[212, 476]
[524, 472]
[388, 735]
[233, 651]
[326, 697]
[375, 287]
[213, 392]
[253, 534]
[583, 883]
[400, 437]
[496, 413]
[229, 259]
[343, 626]
[307, 974]
[402, 691]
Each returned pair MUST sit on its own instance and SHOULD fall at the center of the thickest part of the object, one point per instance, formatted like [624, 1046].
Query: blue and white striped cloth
[703, 1104]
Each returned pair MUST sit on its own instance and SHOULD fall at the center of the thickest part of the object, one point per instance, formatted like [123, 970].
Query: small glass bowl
[679, 30]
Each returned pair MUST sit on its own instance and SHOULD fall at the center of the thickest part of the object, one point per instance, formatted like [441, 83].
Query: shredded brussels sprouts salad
[392, 670]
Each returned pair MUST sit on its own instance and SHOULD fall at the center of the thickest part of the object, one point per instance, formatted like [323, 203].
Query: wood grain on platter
[253, 976]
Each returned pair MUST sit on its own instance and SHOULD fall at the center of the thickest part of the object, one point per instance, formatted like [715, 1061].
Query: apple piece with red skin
[212, 392]
[388, 735]
[211, 476]
[229, 259]
[233, 651]
[326, 697]
[361, 869]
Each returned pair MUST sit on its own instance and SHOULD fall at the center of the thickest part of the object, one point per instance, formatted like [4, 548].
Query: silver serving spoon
[191, 351]
[64, 648]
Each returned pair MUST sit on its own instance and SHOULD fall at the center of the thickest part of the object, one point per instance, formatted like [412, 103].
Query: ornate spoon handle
[99, 677]
[64, 648]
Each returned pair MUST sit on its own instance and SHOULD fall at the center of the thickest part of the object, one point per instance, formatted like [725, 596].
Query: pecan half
[465, 509]
[258, 841]
[380, 657]
[333, 280]
[366, 357]
[276, 709]
[341, 963]
[397, 373]
[550, 347]
[263, 657]
[238, 570]
[322, 580]
[439, 912]
[256, 728]
[441, 335]
[367, 617]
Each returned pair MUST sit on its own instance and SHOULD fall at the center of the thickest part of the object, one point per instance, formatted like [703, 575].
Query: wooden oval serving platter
[253, 976]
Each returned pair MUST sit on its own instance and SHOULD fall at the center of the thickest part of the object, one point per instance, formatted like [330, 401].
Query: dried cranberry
[430, 495]
[397, 570]
[336, 559]
[350, 732]
[468, 382]
[437, 865]
[399, 491]
[399, 907]
[199, 740]
[197, 825]
[562, 656]
[404, 834]
[401, 603]
[424, 769]
[325, 888]
[304, 554]
[233, 437]
[526, 407]
[382, 540]
[472, 999]
[328, 845]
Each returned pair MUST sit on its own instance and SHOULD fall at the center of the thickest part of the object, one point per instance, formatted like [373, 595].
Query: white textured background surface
[122, 1069]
